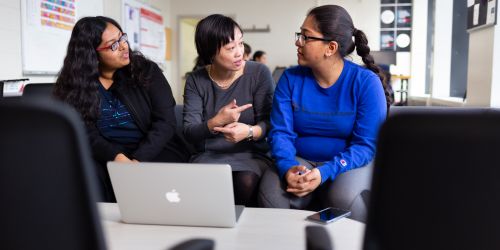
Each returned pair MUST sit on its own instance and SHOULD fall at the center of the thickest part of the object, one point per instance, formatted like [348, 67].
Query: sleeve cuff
[285, 166]
[327, 171]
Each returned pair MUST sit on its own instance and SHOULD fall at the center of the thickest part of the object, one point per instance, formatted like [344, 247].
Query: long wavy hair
[336, 24]
[78, 80]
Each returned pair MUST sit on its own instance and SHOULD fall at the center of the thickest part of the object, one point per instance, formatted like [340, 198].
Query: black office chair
[317, 238]
[436, 182]
[195, 244]
[277, 72]
[38, 90]
[46, 179]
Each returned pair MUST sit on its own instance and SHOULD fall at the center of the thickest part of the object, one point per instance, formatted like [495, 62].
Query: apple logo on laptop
[173, 196]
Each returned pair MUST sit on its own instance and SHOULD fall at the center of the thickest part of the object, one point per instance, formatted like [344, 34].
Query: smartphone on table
[328, 215]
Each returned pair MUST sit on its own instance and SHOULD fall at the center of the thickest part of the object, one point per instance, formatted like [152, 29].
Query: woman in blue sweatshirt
[325, 118]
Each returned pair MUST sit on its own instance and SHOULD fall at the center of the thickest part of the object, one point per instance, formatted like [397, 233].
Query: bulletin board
[145, 29]
[481, 13]
[396, 20]
[46, 27]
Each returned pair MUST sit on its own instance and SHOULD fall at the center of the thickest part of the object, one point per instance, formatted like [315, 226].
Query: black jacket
[152, 108]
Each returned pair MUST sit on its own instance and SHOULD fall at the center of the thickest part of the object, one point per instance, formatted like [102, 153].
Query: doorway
[187, 47]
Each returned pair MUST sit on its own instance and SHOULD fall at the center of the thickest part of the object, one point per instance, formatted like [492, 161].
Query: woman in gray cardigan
[227, 105]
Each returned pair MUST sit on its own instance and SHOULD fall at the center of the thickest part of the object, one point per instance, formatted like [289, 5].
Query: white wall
[284, 18]
[10, 44]
[10, 49]
[483, 80]
[495, 81]
[418, 48]
[113, 9]
[479, 70]
[10, 30]
[278, 44]
[442, 49]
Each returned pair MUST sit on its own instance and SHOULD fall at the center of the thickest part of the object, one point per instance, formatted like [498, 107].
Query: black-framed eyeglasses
[302, 39]
[114, 46]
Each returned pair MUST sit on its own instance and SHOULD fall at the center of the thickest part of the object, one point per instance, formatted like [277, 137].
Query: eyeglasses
[114, 46]
[302, 39]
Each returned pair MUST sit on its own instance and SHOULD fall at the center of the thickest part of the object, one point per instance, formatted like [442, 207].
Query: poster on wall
[152, 35]
[404, 16]
[131, 25]
[145, 28]
[46, 29]
[395, 25]
[387, 40]
[481, 13]
[58, 14]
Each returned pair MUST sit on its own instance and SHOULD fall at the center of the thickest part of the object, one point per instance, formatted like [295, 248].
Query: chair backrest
[317, 238]
[277, 72]
[38, 90]
[46, 178]
[436, 181]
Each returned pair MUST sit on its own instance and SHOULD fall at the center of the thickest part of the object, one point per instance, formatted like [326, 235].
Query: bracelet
[250, 133]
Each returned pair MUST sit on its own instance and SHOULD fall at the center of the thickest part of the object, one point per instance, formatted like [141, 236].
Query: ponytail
[362, 49]
[335, 23]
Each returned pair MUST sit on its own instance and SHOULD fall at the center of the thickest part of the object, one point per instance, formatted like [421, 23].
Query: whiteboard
[45, 31]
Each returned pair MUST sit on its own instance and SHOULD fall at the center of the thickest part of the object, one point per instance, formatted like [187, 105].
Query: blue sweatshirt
[337, 125]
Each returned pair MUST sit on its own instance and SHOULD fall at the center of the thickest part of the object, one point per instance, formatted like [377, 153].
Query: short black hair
[258, 54]
[248, 49]
[213, 32]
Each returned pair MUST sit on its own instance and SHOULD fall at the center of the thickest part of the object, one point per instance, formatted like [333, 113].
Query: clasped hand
[302, 181]
[234, 132]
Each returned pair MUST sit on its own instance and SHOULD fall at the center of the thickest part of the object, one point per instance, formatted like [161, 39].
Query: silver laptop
[185, 194]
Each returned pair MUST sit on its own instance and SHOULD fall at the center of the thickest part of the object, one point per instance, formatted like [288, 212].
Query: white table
[257, 228]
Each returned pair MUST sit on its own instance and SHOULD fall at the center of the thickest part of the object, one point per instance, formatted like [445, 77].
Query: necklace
[222, 85]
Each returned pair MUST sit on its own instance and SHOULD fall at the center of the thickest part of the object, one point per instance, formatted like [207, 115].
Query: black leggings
[245, 186]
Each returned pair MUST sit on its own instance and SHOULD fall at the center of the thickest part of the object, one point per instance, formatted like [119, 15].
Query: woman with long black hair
[325, 118]
[123, 98]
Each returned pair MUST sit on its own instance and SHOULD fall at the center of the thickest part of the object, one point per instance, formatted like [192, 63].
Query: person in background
[227, 106]
[123, 98]
[260, 56]
[325, 118]
[247, 51]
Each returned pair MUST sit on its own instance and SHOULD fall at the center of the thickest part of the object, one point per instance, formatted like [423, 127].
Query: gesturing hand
[234, 132]
[230, 113]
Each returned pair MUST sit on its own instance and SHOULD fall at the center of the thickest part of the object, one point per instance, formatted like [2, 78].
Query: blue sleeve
[282, 135]
[371, 111]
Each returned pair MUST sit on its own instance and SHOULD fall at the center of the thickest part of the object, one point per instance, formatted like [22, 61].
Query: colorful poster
[387, 40]
[59, 14]
[132, 26]
[152, 35]
[404, 17]
[145, 29]
[395, 25]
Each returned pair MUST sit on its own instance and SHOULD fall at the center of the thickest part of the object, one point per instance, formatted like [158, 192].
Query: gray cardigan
[203, 99]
